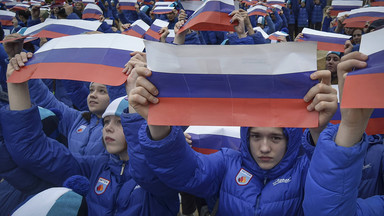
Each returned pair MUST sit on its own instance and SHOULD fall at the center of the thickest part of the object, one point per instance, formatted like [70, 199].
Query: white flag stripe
[265, 35]
[266, 59]
[94, 7]
[160, 23]
[347, 3]
[142, 24]
[165, 4]
[372, 42]
[368, 9]
[215, 130]
[107, 40]
[7, 13]
[85, 24]
[192, 5]
[325, 34]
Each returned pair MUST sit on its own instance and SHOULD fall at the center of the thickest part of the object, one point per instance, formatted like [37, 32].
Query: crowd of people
[52, 130]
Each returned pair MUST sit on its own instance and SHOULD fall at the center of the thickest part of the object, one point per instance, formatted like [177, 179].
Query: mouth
[108, 139]
[265, 159]
[93, 102]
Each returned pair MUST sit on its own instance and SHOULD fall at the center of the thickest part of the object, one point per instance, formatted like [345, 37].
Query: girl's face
[113, 136]
[98, 99]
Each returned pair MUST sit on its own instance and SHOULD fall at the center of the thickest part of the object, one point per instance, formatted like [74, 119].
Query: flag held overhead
[89, 57]
[232, 85]
[326, 40]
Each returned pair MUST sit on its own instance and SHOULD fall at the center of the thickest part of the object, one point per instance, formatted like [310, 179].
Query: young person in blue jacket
[303, 17]
[121, 182]
[265, 178]
[335, 171]
[317, 15]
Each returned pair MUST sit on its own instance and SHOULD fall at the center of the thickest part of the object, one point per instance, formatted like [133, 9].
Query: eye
[106, 121]
[276, 139]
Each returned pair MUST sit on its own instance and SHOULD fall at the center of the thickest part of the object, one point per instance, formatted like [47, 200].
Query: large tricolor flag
[137, 29]
[257, 10]
[246, 85]
[274, 36]
[127, 5]
[375, 123]
[210, 139]
[92, 11]
[89, 57]
[163, 9]
[19, 7]
[364, 88]
[153, 32]
[341, 6]
[213, 15]
[53, 28]
[6, 17]
[357, 18]
[377, 3]
[276, 2]
[326, 40]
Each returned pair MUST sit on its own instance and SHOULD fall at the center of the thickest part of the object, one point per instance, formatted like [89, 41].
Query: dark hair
[24, 14]
[87, 116]
[377, 24]
[61, 13]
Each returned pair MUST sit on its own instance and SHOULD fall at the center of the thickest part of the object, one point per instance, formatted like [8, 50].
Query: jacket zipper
[258, 197]
[122, 169]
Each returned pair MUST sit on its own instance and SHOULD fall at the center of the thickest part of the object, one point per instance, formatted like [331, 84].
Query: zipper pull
[265, 180]
[122, 169]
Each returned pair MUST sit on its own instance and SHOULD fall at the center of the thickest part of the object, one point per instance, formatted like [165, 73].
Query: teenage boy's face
[113, 135]
[268, 146]
[331, 62]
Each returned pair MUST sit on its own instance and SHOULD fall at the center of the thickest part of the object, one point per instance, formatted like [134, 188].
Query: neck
[124, 156]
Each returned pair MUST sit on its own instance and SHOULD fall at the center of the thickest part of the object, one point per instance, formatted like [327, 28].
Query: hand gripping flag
[326, 40]
[153, 32]
[246, 85]
[89, 57]
[363, 88]
[127, 5]
[92, 11]
[210, 139]
[375, 123]
[341, 6]
[138, 29]
[213, 15]
[6, 18]
[53, 28]
[357, 18]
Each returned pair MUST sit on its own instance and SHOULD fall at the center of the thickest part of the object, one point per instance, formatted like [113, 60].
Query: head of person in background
[79, 6]
[98, 99]
[356, 35]
[376, 25]
[260, 22]
[172, 15]
[331, 61]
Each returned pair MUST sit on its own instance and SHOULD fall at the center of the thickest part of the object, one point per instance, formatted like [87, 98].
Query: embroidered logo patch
[81, 129]
[279, 181]
[101, 186]
[243, 177]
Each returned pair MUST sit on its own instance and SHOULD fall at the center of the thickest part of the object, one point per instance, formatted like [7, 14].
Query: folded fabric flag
[85, 2]
[163, 9]
[153, 32]
[53, 28]
[275, 35]
[213, 15]
[364, 88]
[232, 85]
[10, 5]
[6, 17]
[171, 36]
[358, 17]
[257, 10]
[263, 33]
[163, 4]
[210, 139]
[326, 40]
[191, 6]
[19, 7]
[278, 2]
[137, 29]
[127, 5]
[109, 22]
[375, 123]
[92, 11]
[341, 6]
[89, 57]
[249, 2]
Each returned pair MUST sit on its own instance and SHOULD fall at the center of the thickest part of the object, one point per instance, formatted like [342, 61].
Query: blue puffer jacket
[372, 182]
[85, 136]
[333, 179]
[317, 13]
[113, 190]
[302, 19]
[242, 187]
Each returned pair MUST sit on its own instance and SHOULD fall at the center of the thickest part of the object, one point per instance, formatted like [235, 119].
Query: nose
[93, 94]
[265, 146]
[108, 128]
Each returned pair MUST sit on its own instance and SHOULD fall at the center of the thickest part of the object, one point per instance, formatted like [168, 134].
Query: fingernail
[305, 99]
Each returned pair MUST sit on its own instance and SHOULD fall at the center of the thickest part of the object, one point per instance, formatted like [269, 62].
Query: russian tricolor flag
[358, 17]
[53, 28]
[19, 7]
[137, 29]
[127, 5]
[257, 10]
[89, 57]
[364, 88]
[274, 36]
[249, 2]
[278, 2]
[153, 32]
[242, 85]
[377, 3]
[263, 33]
[213, 15]
[326, 40]
[375, 123]
[210, 139]
[10, 5]
[191, 6]
[85, 2]
[6, 17]
[92, 11]
[162, 10]
[341, 6]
